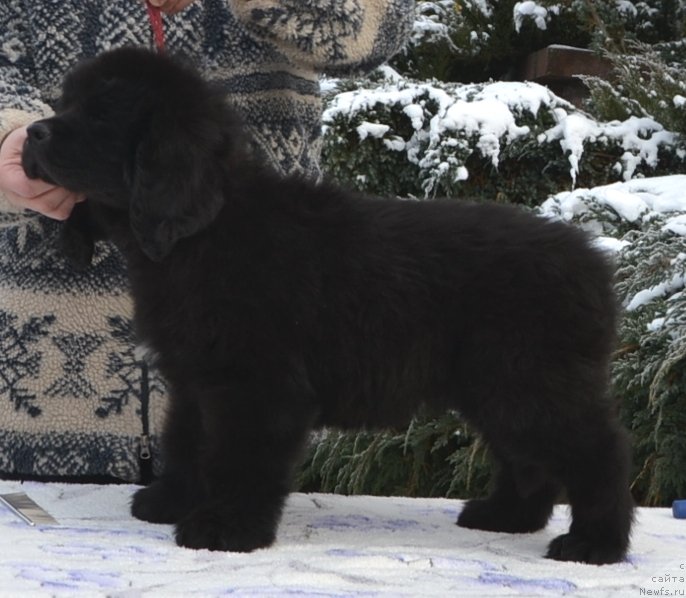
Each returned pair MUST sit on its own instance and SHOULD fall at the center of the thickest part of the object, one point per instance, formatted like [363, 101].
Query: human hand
[171, 7]
[34, 194]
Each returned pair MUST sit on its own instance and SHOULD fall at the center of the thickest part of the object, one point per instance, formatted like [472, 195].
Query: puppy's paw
[159, 503]
[209, 528]
[574, 547]
[495, 517]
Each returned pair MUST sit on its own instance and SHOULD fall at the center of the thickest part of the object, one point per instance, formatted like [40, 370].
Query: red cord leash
[155, 18]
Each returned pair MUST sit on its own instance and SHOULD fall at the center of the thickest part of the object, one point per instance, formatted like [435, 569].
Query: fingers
[33, 194]
[12, 176]
[56, 203]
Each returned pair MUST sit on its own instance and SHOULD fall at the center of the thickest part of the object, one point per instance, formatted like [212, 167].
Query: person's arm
[334, 38]
[21, 103]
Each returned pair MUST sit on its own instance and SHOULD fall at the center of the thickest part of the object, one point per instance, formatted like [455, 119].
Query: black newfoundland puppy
[277, 306]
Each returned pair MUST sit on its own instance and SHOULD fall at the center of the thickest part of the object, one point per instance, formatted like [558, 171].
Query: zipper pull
[145, 453]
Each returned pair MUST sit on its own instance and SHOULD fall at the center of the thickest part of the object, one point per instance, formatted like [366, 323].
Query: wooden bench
[559, 67]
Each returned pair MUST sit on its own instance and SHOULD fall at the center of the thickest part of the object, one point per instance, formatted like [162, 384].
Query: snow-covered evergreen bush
[507, 141]
[647, 82]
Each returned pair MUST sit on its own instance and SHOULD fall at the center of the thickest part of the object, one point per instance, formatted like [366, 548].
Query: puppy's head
[139, 133]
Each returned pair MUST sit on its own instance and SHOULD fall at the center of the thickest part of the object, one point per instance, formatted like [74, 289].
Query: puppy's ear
[176, 182]
[77, 237]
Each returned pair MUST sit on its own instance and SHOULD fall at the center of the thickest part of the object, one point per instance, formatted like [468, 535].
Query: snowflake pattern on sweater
[75, 397]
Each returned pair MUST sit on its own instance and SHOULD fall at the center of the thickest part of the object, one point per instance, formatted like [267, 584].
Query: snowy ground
[331, 546]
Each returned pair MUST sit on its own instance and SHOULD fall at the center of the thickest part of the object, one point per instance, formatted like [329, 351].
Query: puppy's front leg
[178, 490]
[77, 238]
[253, 434]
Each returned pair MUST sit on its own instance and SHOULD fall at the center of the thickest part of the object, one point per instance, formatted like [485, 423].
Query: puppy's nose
[38, 132]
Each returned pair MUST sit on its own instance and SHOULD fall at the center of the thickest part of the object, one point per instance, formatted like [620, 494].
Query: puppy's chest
[214, 301]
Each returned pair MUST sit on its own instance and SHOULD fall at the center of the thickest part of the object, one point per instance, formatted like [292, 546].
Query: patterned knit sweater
[76, 398]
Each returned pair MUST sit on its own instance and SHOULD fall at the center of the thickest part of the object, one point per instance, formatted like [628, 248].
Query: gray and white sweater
[76, 399]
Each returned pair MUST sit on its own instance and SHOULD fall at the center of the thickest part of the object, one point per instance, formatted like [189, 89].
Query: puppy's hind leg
[597, 480]
[522, 501]
[253, 436]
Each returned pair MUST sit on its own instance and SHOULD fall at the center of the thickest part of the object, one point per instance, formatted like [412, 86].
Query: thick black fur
[277, 306]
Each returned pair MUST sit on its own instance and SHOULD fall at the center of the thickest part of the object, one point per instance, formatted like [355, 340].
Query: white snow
[519, 96]
[376, 130]
[626, 7]
[532, 10]
[656, 324]
[487, 117]
[416, 114]
[638, 198]
[664, 288]
[676, 224]
[611, 244]
[641, 137]
[483, 5]
[395, 144]
[572, 131]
